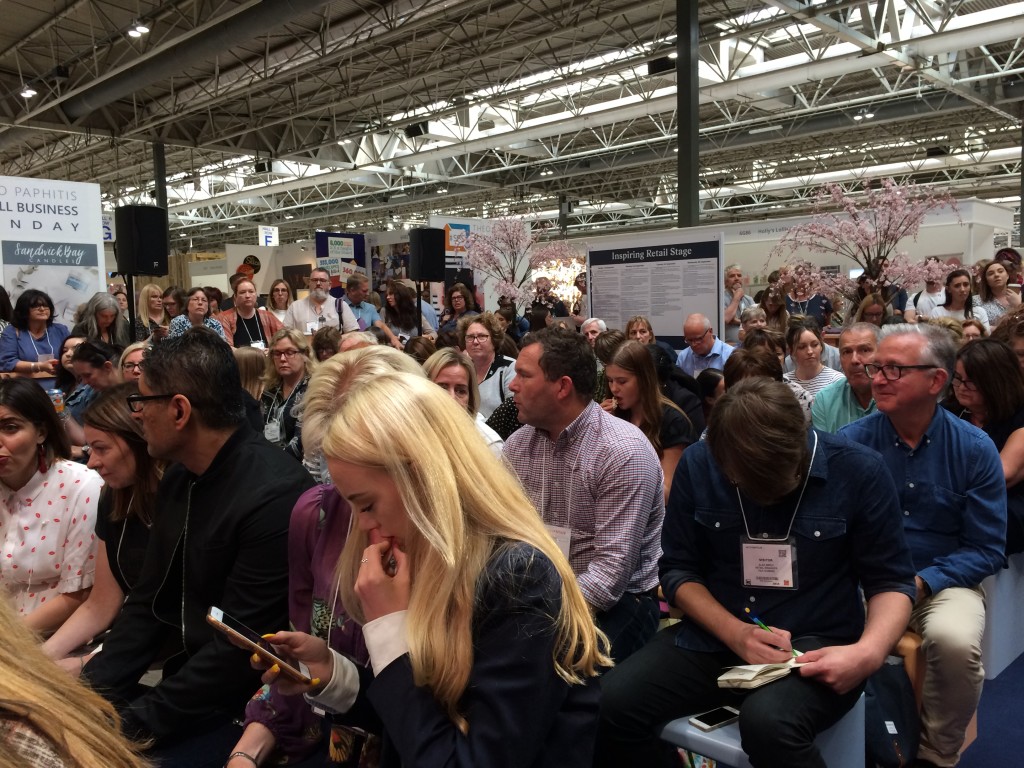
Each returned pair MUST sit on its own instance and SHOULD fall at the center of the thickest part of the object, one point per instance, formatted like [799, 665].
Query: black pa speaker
[141, 244]
[426, 255]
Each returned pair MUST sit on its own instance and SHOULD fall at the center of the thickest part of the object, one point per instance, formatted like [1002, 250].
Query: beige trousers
[951, 625]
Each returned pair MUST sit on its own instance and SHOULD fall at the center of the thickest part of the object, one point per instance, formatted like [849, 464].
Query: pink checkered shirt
[601, 477]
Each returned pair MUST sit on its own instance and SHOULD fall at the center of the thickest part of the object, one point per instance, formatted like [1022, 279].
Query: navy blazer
[520, 712]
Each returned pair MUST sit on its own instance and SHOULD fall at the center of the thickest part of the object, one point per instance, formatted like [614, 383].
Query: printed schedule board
[664, 277]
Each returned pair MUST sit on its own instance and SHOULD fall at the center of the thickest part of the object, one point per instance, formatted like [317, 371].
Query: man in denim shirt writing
[787, 526]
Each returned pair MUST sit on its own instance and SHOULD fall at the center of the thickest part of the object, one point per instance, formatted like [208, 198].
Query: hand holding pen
[756, 646]
[766, 628]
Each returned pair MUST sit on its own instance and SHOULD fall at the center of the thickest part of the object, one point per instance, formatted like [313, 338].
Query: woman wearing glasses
[197, 312]
[988, 384]
[458, 303]
[131, 476]
[480, 336]
[131, 361]
[30, 345]
[289, 367]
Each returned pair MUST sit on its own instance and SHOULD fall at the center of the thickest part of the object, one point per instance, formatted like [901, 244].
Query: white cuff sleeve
[385, 640]
[341, 692]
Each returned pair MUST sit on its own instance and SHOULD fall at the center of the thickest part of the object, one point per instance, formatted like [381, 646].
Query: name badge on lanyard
[770, 562]
[258, 345]
[769, 565]
[562, 536]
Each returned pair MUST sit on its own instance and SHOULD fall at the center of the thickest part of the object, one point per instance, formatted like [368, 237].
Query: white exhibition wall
[273, 259]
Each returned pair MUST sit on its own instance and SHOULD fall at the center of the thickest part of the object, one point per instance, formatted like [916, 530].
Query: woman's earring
[41, 454]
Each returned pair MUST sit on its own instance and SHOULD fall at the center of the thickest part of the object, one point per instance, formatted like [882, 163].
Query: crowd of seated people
[453, 545]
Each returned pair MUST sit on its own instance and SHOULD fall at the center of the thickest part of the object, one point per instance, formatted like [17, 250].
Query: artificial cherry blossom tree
[509, 253]
[867, 230]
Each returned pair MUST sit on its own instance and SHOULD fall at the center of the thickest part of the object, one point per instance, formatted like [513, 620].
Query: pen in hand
[766, 628]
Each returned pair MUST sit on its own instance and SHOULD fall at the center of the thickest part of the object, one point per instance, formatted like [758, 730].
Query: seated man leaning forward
[219, 538]
[785, 526]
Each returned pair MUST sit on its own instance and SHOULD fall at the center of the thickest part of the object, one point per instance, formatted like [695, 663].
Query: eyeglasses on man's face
[477, 338]
[137, 402]
[698, 339]
[891, 372]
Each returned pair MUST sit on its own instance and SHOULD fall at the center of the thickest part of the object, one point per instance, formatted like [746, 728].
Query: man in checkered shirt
[595, 479]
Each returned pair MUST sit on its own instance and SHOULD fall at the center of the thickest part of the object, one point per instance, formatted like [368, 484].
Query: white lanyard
[46, 335]
[259, 327]
[807, 476]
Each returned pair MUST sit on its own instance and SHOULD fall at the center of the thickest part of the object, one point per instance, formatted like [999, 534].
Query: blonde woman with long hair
[277, 724]
[151, 318]
[482, 647]
[48, 720]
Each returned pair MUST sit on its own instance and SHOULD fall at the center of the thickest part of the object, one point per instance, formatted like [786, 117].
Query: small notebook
[756, 675]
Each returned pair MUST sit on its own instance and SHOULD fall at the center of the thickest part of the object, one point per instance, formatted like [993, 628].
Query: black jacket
[232, 525]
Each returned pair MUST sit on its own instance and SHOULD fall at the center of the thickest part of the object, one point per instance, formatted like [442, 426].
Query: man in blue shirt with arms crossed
[953, 496]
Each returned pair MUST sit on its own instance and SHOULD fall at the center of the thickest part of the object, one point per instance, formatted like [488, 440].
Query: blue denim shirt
[952, 492]
[847, 533]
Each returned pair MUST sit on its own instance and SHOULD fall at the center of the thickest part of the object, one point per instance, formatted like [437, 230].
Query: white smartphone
[716, 718]
[254, 641]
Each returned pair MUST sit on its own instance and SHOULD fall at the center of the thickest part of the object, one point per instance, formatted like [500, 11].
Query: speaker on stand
[426, 261]
[140, 247]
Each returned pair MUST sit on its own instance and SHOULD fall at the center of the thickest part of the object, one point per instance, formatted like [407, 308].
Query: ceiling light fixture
[138, 29]
[28, 92]
[863, 114]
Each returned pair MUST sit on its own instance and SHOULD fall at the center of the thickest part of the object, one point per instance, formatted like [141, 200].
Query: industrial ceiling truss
[364, 115]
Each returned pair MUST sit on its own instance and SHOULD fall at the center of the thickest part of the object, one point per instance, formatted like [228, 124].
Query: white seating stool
[842, 745]
[1003, 640]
